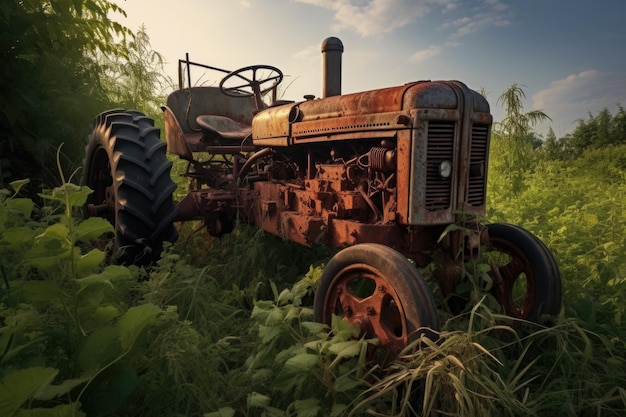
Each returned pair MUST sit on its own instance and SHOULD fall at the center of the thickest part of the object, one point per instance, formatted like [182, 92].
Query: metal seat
[224, 127]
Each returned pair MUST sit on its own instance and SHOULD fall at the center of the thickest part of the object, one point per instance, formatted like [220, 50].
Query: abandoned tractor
[395, 178]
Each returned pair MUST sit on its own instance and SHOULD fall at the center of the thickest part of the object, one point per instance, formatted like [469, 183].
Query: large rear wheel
[378, 289]
[127, 169]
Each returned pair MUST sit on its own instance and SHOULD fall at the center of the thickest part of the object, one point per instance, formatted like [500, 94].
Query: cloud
[479, 22]
[375, 17]
[425, 54]
[574, 97]
[310, 52]
[489, 13]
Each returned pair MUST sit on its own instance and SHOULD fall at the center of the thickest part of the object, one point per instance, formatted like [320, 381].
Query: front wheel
[378, 289]
[526, 278]
[127, 169]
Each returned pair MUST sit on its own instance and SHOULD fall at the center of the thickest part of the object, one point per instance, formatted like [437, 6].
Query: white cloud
[374, 17]
[425, 54]
[489, 13]
[310, 52]
[478, 22]
[496, 5]
[574, 97]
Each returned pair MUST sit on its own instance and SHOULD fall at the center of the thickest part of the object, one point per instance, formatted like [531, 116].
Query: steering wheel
[252, 82]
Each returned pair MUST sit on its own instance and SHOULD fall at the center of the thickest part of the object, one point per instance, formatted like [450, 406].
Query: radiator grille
[440, 147]
[478, 159]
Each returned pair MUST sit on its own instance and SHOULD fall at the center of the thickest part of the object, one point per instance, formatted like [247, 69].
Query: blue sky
[569, 56]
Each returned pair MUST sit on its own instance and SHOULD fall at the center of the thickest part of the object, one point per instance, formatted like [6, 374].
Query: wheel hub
[362, 298]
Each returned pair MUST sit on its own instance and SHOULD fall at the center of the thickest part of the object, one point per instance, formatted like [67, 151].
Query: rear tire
[127, 169]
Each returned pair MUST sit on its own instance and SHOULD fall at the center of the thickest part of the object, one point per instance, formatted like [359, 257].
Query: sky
[569, 56]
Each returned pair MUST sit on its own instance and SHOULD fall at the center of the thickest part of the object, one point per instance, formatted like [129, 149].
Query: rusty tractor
[393, 178]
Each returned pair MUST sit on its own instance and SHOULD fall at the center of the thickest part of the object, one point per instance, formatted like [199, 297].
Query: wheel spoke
[246, 79]
[386, 322]
[350, 303]
[266, 80]
[239, 87]
[503, 289]
[511, 271]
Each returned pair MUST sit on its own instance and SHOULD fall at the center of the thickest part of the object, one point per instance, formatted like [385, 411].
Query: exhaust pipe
[332, 48]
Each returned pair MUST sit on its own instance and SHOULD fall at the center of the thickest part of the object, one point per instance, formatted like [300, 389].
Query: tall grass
[223, 327]
[251, 328]
[478, 367]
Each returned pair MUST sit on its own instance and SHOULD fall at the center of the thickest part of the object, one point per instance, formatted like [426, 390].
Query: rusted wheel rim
[362, 295]
[514, 282]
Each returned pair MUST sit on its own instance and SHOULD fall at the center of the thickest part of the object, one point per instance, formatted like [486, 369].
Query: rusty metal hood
[365, 110]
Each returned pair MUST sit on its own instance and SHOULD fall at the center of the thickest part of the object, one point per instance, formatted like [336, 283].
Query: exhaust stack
[332, 48]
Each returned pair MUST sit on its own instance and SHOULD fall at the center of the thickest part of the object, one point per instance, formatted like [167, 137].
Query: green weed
[223, 327]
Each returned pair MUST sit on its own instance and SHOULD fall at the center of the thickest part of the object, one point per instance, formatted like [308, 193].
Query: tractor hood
[374, 111]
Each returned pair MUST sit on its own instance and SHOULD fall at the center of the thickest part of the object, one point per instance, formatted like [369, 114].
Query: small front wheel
[127, 169]
[526, 278]
[377, 288]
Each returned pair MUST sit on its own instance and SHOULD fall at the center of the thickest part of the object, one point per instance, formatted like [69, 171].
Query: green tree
[136, 80]
[599, 131]
[48, 83]
[618, 130]
[61, 63]
[551, 147]
[514, 139]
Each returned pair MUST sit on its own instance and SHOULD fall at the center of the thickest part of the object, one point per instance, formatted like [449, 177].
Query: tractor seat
[224, 127]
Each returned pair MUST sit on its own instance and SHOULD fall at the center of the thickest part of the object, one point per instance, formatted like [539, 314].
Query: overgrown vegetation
[62, 62]
[223, 327]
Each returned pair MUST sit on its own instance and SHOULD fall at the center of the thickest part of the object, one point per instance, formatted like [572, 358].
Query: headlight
[445, 169]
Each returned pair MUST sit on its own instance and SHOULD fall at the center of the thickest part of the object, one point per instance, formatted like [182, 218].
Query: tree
[552, 147]
[514, 139]
[137, 79]
[48, 82]
[596, 132]
[618, 127]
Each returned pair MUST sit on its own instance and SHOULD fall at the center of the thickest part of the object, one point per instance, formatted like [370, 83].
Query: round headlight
[445, 169]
